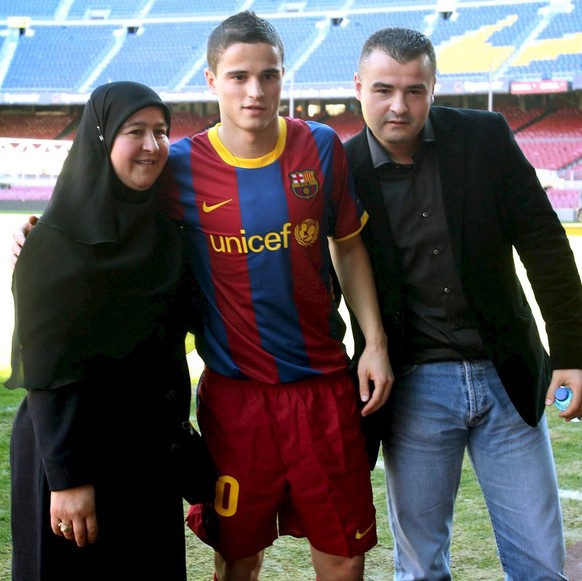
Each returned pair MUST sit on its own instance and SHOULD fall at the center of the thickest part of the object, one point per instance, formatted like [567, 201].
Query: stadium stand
[33, 8]
[185, 124]
[345, 124]
[554, 141]
[522, 58]
[31, 67]
[519, 118]
[167, 57]
[564, 198]
[36, 126]
[161, 39]
[24, 198]
[104, 8]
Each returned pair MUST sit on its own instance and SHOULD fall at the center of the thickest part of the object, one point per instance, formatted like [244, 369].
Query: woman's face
[141, 148]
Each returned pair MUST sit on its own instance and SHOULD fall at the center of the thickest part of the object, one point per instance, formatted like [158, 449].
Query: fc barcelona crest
[304, 183]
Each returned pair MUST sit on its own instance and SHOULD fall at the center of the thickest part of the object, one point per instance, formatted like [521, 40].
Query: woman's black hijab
[100, 270]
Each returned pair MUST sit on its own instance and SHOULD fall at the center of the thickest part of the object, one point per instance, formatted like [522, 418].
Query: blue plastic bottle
[563, 397]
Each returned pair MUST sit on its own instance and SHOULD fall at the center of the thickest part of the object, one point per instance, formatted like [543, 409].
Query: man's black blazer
[494, 204]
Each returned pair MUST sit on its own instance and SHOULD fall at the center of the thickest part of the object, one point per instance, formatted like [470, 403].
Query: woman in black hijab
[100, 322]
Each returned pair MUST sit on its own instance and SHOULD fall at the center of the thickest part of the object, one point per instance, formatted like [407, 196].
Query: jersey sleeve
[349, 216]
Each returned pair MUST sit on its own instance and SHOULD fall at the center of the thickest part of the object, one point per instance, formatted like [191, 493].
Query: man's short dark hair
[402, 44]
[244, 27]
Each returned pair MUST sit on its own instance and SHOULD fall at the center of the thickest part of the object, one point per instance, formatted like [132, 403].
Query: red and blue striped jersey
[257, 238]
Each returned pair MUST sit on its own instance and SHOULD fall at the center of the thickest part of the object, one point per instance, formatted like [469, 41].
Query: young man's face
[248, 83]
[395, 98]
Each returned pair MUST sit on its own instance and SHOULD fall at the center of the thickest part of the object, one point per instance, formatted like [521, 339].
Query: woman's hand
[73, 514]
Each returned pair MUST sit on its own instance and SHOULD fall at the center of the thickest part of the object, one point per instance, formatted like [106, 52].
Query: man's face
[395, 99]
[248, 83]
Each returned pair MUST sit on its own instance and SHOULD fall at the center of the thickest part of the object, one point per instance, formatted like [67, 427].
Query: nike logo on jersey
[206, 208]
[359, 535]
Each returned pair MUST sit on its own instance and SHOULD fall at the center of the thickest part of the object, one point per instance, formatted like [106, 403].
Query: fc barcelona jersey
[257, 238]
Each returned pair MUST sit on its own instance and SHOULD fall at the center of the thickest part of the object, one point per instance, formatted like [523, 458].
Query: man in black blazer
[450, 197]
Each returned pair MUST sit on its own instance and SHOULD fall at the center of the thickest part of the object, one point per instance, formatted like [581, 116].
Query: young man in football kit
[266, 203]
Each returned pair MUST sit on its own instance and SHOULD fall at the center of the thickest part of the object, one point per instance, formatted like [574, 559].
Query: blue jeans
[440, 410]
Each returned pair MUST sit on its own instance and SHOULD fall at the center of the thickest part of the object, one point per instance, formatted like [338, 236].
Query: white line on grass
[571, 494]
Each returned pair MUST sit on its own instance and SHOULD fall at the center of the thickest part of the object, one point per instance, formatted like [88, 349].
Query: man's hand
[571, 378]
[354, 272]
[19, 237]
[374, 366]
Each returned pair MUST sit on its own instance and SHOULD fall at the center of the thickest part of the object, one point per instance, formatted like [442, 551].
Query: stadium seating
[31, 192]
[157, 56]
[70, 46]
[113, 8]
[33, 8]
[22, 198]
[519, 118]
[185, 124]
[188, 8]
[40, 126]
[335, 57]
[505, 39]
[564, 198]
[57, 58]
[346, 124]
[553, 141]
